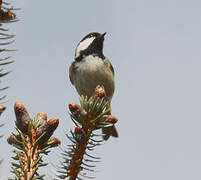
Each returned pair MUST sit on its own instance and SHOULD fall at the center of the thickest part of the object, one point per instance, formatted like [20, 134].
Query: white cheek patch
[83, 45]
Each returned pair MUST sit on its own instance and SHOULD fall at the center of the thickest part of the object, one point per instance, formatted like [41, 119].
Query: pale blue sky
[155, 48]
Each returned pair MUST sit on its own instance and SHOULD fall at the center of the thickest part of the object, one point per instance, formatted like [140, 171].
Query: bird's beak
[102, 35]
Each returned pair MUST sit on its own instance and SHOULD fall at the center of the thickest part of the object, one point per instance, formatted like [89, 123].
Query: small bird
[91, 68]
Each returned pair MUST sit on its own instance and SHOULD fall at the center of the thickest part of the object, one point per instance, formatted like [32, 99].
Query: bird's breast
[91, 72]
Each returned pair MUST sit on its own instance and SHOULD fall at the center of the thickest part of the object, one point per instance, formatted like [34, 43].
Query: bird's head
[90, 44]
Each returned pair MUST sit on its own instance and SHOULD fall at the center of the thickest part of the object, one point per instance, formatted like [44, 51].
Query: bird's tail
[109, 131]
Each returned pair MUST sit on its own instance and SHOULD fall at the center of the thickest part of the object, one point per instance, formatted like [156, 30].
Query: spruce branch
[6, 16]
[2, 109]
[33, 139]
[93, 114]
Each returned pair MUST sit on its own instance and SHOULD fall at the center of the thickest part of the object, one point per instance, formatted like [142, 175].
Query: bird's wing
[108, 64]
[71, 73]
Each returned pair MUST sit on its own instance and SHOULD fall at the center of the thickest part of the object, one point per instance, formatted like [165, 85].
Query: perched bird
[91, 68]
